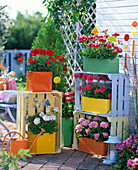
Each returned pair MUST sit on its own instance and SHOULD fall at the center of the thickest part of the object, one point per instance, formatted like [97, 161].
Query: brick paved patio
[68, 159]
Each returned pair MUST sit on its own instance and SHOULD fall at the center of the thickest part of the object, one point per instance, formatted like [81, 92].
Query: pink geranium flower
[97, 118]
[87, 131]
[79, 127]
[93, 124]
[105, 134]
[96, 136]
[81, 120]
[85, 122]
[104, 124]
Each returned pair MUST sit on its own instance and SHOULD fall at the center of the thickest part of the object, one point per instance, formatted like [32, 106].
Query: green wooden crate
[101, 66]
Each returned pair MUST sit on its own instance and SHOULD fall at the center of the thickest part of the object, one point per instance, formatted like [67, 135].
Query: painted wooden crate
[26, 103]
[120, 94]
[119, 126]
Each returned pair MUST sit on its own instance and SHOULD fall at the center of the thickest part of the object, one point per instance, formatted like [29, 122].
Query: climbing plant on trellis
[69, 33]
[73, 18]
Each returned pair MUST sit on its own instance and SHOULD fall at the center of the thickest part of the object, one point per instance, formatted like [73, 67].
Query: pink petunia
[93, 124]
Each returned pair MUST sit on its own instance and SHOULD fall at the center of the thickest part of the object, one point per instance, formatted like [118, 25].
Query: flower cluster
[127, 153]
[43, 60]
[101, 46]
[68, 104]
[93, 127]
[96, 86]
[19, 56]
[46, 122]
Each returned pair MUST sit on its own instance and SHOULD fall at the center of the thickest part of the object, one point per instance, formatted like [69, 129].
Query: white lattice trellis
[70, 32]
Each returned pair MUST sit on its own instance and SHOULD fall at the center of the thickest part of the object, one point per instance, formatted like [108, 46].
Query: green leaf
[20, 151]
[23, 157]
[10, 165]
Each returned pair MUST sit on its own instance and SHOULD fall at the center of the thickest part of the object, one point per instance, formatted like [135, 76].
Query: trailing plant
[77, 10]
[68, 104]
[93, 127]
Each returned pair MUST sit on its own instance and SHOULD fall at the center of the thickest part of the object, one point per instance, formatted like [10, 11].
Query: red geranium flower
[65, 67]
[50, 52]
[20, 59]
[109, 95]
[47, 62]
[53, 59]
[89, 86]
[115, 34]
[60, 58]
[76, 75]
[68, 99]
[85, 76]
[43, 52]
[90, 78]
[35, 51]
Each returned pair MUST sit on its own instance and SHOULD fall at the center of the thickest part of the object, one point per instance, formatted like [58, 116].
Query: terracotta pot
[4, 86]
[91, 146]
[39, 81]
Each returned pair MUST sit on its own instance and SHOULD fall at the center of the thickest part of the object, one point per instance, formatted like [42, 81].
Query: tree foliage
[24, 30]
[49, 37]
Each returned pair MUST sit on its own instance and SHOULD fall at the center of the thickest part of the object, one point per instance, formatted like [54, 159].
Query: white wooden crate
[120, 94]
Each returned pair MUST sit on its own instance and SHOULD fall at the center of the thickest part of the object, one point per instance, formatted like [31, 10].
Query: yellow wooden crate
[26, 103]
[44, 144]
[119, 126]
[96, 105]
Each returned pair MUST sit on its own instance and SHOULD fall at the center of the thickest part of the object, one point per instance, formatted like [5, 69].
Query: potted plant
[40, 67]
[46, 142]
[96, 92]
[91, 132]
[100, 52]
[67, 118]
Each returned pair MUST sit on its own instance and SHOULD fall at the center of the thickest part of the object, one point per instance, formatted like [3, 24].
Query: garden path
[68, 159]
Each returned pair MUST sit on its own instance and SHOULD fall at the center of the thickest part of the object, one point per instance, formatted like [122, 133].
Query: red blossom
[115, 34]
[77, 75]
[109, 45]
[63, 94]
[83, 38]
[97, 44]
[119, 50]
[81, 88]
[68, 99]
[114, 51]
[104, 78]
[35, 51]
[91, 37]
[90, 78]
[85, 76]
[60, 58]
[20, 59]
[43, 52]
[53, 59]
[47, 62]
[95, 76]
[89, 44]
[65, 67]
[50, 52]
[105, 31]
[89, 86]
[109, 95]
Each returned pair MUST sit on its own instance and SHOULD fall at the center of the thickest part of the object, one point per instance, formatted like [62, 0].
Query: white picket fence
[12, 64]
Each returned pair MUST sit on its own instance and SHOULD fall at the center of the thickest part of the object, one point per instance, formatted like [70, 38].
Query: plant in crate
[91, 132]
[67, 118]
[40, 68]
[100, 52]
[46, 142]
[96, 92]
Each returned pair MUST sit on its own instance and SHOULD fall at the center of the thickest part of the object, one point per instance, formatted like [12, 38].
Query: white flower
[56, 109]
[47, 110]
[41, 114]
[36, 99]
[37, 121]
[52, 117]
[46, 118]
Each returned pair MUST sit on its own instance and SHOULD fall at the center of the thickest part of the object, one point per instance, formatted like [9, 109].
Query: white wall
[117, 16]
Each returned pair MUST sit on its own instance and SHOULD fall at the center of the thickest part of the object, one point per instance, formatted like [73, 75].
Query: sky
[13, 6]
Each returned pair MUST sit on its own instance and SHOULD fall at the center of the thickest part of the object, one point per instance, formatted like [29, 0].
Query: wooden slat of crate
[23, 98]
[119, 126]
